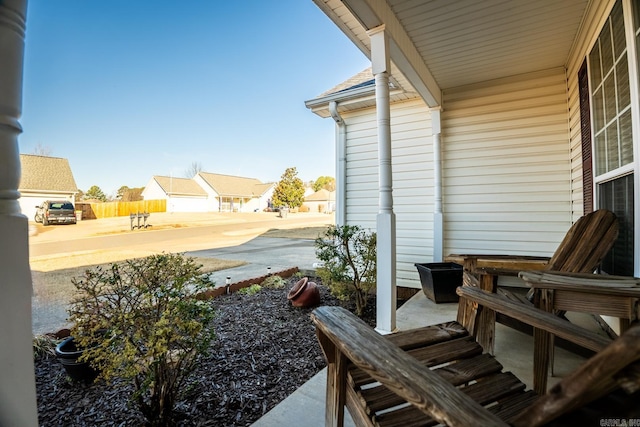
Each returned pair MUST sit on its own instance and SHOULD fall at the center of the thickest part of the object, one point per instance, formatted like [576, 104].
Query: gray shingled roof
[363, 78]
[235, 186]
[42, 173]
[181, 186]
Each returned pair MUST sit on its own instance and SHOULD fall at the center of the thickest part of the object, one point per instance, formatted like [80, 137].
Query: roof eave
[320, 106]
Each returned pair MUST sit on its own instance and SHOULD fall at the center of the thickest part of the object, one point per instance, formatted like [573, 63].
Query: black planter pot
[68, 354]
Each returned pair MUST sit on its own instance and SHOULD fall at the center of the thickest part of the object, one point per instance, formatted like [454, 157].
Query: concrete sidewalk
[261, 253]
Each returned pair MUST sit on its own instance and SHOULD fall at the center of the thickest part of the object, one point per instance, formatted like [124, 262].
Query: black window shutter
[585, 127]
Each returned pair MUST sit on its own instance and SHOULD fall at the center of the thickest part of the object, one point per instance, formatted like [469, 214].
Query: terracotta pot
[304, 294]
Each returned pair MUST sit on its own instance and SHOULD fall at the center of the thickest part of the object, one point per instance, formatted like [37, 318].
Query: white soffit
[466, 41]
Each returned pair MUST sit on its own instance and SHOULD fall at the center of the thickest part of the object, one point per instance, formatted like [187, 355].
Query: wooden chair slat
[495, 387]
[436, 354]
[427, 335]
[509, 407]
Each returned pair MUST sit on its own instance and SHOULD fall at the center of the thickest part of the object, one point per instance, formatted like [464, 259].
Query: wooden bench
[440, 374]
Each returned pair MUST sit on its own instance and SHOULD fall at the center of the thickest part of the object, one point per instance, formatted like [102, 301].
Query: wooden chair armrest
[583, 282]
[398, 371]
[500, 265]
[535, 317]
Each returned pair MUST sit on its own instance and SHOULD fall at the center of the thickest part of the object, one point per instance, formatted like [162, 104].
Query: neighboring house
[44, 178]
[182, 194]
[235, 193]
[323, 201]
[488, 129]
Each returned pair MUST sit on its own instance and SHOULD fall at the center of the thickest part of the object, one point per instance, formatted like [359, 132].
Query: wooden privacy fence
[113, 209]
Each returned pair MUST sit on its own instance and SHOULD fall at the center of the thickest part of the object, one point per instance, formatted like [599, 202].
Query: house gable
[44, 178]
[46, 174]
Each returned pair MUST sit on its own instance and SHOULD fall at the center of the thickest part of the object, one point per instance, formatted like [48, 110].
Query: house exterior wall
[153, 191]
[257, 203]
[412, 164]
[321, 206]
[187, 204]
[506, 165]
[213, 202]
[265, 198]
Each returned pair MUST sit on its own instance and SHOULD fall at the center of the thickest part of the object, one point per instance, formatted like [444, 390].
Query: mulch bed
[264, 350]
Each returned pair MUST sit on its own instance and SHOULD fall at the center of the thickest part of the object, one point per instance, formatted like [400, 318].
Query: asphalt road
[169, 232]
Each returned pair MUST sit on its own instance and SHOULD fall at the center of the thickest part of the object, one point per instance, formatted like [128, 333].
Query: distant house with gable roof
[44, 178]
[181, 194]
[210, 192]
[235, 193]
[323, 201]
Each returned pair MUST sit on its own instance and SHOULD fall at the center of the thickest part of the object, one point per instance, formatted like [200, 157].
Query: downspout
[438, 227]
[341, 165]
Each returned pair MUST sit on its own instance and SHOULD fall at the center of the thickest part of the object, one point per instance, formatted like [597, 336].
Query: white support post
[386, 220]
[18, 405]
[438, 223]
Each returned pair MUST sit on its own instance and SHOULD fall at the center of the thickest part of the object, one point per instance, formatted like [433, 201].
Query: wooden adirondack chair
[581, 251]
[439, 374]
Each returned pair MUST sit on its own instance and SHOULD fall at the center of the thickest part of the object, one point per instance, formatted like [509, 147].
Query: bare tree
[193, 170]
[42, 150]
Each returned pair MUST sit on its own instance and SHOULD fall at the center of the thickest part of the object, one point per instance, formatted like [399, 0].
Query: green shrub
[349, 257]
[251, 290]
[273, 282]
[44, 346]
[140, 321]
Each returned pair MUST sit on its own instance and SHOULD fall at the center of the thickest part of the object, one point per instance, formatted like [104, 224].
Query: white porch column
[17, 379]
[438, 232]
[386, 220]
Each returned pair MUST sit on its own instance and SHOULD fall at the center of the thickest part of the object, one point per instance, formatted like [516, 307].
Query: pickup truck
[55, 211]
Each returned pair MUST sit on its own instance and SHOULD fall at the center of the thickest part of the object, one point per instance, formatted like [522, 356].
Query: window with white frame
[613, 165]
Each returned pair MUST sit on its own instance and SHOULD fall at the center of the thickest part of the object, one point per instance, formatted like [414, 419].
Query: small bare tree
[42, 150]
[193, 170]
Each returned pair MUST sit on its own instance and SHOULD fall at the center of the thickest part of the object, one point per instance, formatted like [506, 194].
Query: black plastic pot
[68, 354]
[440, 280]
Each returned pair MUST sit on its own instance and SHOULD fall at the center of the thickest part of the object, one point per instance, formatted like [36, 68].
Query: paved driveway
[261, 253]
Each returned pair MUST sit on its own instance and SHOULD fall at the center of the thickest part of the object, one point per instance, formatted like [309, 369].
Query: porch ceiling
[440, 44]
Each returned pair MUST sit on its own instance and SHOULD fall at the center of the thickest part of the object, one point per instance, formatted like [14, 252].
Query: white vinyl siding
[506, 159]
[412, 164]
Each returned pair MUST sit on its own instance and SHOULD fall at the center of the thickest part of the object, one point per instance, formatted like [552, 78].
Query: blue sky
[130, 89]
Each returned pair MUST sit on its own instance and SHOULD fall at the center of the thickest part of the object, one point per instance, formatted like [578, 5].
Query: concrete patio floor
[512, 348]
